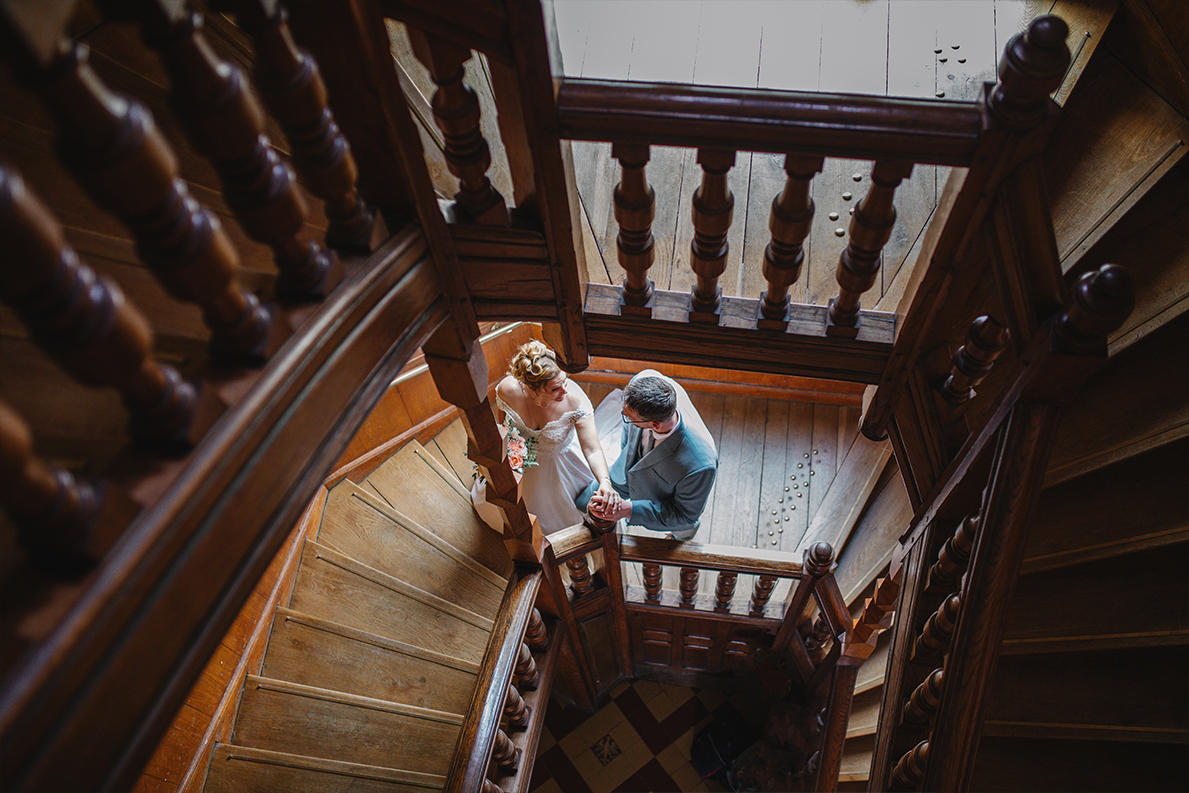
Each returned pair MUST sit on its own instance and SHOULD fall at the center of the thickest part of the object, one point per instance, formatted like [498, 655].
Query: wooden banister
[713, 207]
[224, 122]
[291, 87]
[84, 321]
[478, 740]
[759, 119]
[789, 222]
[708, 557]
[635, 207]
[111, 145]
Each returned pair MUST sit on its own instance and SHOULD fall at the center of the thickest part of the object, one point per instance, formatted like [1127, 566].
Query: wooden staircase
[372, 663]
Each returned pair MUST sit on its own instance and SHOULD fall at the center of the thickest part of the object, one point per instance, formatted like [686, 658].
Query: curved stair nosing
[326, 765]
[448, 476]
[413, 527]
[383, 642]
[353, 700]
[379, 577]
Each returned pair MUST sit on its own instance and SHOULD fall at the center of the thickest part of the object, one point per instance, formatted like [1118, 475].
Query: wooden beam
[736, 343]
[769, 120]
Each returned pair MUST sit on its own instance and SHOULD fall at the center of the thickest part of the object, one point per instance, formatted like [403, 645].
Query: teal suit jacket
[669, 486]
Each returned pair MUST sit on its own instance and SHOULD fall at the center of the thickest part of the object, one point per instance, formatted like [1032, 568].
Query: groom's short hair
[652, 398]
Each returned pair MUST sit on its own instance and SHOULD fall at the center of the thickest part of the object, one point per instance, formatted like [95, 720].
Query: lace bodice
[555, 435]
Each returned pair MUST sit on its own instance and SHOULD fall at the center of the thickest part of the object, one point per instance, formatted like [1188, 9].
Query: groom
[667, 461]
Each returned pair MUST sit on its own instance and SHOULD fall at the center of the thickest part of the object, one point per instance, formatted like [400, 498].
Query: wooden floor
[776, 462]
[919, 49]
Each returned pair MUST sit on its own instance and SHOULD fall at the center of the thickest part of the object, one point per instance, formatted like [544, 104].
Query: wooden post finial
[1032, 67]
[1098, 304]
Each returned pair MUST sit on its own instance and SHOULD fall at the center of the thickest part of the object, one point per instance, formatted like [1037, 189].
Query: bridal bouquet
[522, 452]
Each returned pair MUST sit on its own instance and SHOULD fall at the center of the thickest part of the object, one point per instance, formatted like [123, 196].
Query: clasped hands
[606, 504]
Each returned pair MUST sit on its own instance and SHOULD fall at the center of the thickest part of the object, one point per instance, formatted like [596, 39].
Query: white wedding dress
[561, 472]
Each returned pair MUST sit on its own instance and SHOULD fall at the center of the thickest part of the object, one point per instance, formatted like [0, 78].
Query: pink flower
[516, 461]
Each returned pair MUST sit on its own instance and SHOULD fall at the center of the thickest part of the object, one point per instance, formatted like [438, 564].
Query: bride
[556, 420]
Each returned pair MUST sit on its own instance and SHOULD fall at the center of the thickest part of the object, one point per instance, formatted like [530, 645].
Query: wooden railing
[499, 735]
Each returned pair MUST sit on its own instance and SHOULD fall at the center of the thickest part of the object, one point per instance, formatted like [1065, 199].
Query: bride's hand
[606, 491]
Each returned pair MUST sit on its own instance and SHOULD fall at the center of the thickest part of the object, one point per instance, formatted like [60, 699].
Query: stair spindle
[910, 769]
[580, 580]
[946, 572]
[815, 645]
[713, 208]
[922, 705]
[789, 223]
[112, 147]
[688, 587]
[224, 122]
[515, 709]
[83, 320]
[939, 630]
[761, 594]
[870, 227]
[54, 515]
[526, 669]
[635, 208]
[504, 753]
[985, 341]
[491, 787]
[652, 582]
[535, 635]
[724, 590]
[456, 111]
[290, 85]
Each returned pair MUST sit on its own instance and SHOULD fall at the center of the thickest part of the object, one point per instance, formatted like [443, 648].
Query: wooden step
[419, 487]
[1031, 764]
[856, 759]
[864, 714]
[1084, 696]
[1136, 600]
[875, 668]
[450, 448]
[316, 652]
[362, 525]
[340, 589]
[240, 769]
[1095, 516]
[316, 722]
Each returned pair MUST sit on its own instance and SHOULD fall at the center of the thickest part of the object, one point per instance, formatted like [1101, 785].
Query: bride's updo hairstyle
[534, 365]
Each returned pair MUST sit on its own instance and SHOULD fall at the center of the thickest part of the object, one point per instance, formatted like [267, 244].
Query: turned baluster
[939, 630]
[924, 700]
[870, 227]
[815, 645]
[652, 582]
[504, 752]
[1099, 302]
[951, 562]
[789, 222]
[456, 111]
[225, 123]
[526, 669]
[985, 341]
[111, 145]
[491, 787]
[761, 593]
[688, 586]
[713, 207]
[82, 320]
[635, 208]
[535, 635]
[515, 709]
[54, 514]
[291, 87]
[910, 769]
[724, 590]
[580, 580]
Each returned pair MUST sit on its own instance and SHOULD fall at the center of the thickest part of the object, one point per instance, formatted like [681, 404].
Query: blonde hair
[534, 365]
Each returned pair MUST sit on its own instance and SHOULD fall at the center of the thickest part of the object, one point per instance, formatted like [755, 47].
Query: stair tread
[343, 590]
[242, 769]
[317, 652]
[316, 722]
[363, 526]
[442, 504]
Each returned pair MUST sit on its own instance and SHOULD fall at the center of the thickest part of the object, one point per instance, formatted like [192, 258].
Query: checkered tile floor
[639, 742]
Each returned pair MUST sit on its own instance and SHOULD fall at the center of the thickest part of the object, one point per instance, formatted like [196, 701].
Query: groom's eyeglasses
[637, 422]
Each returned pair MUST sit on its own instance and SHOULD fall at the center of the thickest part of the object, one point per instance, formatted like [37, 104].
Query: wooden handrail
[117, 667]
[481, 726]
[709, 557]
[769, 120]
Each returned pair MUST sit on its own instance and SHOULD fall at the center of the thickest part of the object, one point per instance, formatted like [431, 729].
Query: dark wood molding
[769, 120]
[118, 666]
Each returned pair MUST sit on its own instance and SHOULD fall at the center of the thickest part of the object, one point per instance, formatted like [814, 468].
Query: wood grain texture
[236, 768]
